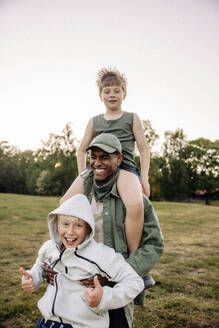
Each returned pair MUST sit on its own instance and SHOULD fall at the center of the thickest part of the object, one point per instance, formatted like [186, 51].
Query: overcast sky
[51, 50]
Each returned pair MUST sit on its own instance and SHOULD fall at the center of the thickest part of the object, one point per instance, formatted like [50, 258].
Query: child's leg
[40, 323]
[130, 190]
[118, 318]
[77, 187]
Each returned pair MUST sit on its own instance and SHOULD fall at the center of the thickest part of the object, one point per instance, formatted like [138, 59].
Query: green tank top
[122, 128]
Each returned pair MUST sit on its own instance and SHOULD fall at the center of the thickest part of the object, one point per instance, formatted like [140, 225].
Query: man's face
[104, 165]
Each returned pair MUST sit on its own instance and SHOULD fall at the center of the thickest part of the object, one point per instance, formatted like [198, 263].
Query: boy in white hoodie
[75, 255]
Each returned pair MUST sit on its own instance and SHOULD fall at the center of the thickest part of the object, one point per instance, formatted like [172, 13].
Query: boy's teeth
[70, 239]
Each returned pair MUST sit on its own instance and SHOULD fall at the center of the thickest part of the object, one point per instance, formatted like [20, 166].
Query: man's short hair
[108, 76]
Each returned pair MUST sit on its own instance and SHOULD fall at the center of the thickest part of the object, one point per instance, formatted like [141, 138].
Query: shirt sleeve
[37, 270]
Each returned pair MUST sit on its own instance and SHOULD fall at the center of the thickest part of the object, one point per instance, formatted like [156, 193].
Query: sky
[51, 51]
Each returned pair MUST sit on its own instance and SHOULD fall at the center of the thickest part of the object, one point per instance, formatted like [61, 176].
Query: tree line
[181, 171]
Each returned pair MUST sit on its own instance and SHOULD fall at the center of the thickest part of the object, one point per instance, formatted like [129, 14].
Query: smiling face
[104, 165]
[112, 97]
[72, 230]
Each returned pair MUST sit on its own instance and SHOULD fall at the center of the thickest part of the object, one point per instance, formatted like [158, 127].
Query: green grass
[212, 202]
[187, 275]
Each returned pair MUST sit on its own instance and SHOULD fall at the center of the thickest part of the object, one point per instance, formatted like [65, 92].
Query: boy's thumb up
[94, 295]
[25, 274]
[97, 284]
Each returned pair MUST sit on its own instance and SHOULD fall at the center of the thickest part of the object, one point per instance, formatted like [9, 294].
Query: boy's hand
[26, 282]
[145, 186]
[94, 295]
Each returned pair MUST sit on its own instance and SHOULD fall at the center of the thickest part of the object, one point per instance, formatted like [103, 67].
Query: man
[99, 185]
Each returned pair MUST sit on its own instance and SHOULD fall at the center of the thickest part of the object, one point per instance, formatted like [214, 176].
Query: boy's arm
[144, 153]
[31, 278]
[128, 283]
[81, 153]
[26, 281]
[36, 272]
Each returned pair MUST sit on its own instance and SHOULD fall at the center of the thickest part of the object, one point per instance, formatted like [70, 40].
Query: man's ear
[119, 159]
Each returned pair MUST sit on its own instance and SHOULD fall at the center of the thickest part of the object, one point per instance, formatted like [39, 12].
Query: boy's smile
[72, 230]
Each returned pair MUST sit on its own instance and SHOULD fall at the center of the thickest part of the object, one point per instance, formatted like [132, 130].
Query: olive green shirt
[122, 128]
[114, 213]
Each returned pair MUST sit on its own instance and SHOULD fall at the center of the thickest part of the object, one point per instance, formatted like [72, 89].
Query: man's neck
[102, 190]
[104, 182]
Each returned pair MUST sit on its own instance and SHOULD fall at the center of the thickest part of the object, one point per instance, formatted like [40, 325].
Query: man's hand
[26, 282]
[145, 186]
[94, 295]
[89, 282]
[49, 273]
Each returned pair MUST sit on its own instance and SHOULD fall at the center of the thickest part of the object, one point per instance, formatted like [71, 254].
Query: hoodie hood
[77, 206]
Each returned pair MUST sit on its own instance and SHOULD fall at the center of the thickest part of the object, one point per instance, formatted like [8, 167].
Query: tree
[150, 133]
[10, 173]
[174, 144]
[24, 172]
[14, 165]
[175, 177]
[155, 177]
[189, 166]
[57, 159]
[202, 156]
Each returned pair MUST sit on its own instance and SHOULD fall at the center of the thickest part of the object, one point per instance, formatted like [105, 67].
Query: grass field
[187, 275]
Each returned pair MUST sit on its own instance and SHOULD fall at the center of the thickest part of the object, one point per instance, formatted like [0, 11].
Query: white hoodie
[65, 301]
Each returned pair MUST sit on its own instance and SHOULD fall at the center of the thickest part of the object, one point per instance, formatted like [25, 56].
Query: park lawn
[186, 290]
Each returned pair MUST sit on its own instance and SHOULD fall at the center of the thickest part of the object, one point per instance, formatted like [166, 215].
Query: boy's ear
[125, 94]
[100, 95]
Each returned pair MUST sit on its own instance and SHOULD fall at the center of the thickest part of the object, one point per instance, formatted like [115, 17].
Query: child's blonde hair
[70, 217]
[108, 76]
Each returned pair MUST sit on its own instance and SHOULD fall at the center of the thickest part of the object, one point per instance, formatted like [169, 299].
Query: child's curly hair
[109, 76]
